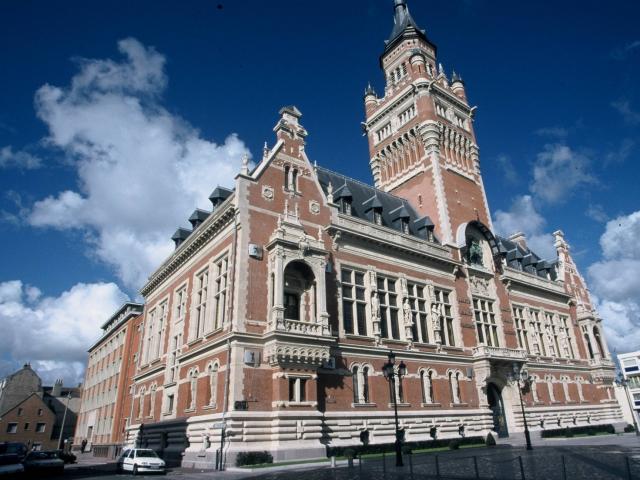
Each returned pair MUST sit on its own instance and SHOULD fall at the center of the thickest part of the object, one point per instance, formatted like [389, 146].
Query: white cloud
[523, 217]
[623, 107]
[19, 159]
[554, 132]
[597, 213]
[558, 171]
[53, 333]
[616, 284]
[508, 170]
[622, 53]
[141, 169]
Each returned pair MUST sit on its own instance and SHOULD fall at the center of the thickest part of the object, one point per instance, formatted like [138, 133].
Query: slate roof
[526, 260]
[403, 21]
[365, 199]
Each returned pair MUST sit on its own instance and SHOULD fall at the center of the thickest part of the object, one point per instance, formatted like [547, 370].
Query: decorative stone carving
[267, 192]
[479, 286]
[314, 207]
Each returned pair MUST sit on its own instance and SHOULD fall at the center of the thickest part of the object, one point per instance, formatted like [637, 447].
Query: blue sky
[117, 119]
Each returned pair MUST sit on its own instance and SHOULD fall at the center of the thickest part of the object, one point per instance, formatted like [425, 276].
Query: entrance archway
[494, 397]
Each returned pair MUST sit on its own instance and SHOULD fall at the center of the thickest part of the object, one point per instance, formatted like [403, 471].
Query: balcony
[513, 277]
[499, 353]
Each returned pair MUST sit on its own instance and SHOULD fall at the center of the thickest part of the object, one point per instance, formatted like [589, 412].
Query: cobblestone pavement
[591, 458]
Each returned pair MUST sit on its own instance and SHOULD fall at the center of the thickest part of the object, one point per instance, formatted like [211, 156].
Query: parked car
[66, 457]
[138, 460]
[43, 462]
[9, 469]
[11, 456]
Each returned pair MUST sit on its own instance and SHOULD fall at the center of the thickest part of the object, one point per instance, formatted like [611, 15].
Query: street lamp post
[622, 382]
[390, 373]
[521, 375]
[64, 419]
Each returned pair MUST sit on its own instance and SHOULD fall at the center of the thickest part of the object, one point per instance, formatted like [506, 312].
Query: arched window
[294, 180]
[596, 335]
[152, 401]
[355, 377]
[454, 386]
[426, 380]
[579, 381]
[212, 374]
[299, 292]
[141, 403]
[365, 384]
[552, 397]
[565, 389]
[193, 388]
[287, 170]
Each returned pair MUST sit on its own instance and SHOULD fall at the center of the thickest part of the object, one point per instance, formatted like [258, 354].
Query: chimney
[56, 391]
[520, 239]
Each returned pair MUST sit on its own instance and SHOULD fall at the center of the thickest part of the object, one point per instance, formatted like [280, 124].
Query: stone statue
[475, 252]
[375, 306]
[549, 335]
[406, 311]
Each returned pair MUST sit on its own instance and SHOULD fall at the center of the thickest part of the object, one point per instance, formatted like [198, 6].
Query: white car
[139, 460]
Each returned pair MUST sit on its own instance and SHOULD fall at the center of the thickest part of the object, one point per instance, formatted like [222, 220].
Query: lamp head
[392, 357]
[402, 369]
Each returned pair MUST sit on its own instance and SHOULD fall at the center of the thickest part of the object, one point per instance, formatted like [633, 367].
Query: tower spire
[402, 21]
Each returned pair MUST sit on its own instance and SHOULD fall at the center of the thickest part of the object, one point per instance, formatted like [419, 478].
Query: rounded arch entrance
[497, 407]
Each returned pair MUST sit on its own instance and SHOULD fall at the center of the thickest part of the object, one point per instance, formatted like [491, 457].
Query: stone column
[277, 310]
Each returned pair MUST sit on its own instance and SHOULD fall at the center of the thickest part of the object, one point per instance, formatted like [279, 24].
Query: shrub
[454, 445]
[350, 453]
[253, 458]
[591, 431]
[407, 450]
[568, 432]
[490, 441]
[629, 428]
[390, 447]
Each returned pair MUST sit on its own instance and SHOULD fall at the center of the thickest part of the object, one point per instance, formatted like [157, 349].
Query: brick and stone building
[33, 414]
[106, 395]
[272, 319]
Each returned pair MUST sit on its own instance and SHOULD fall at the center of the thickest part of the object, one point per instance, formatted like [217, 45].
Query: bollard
[521, 467]
[437, 468]
[384, 465]
[628, 468]
[564, 468]
[475, 467]
[333, 461]
[411, 465]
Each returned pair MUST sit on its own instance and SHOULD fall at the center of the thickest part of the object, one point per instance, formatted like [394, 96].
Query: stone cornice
[159, 368]
[511, 277]
[388, 238]
[196, 241]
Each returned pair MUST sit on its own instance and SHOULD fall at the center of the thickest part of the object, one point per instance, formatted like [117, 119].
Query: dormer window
[345, 206]
[290, 179]
[377, 216]
[405, 226]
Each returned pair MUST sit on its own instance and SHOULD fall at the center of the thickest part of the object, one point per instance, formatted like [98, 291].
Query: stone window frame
[493, 325]
[299, 388]
[520, 322]
[454, 377]
[41, 427]
[192, 380]
[199, 303]
[428, 394]
[358, 378]
[149, 331]
[355, 301]
[388, 311]
[221, 270]
[213, 371]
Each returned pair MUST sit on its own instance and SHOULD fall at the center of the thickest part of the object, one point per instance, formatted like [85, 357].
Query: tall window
[151, 325]
[152, 401]
[538, 333]
[193, 389]
[220, 296]
[291, 306]
[159, 340]
[360, 377]
[442, 299]
[377, 216]
[181, 304]
[176, 341]
[287, 179]
[486, 322]
[552, 334]
[521, 328]
[354, 311]
[565, 337]
[426, 381]
[418, 304]
[212, 373]
[297, 390]
[200, 303]
[388, 297]
[454, 385]
[345, 206]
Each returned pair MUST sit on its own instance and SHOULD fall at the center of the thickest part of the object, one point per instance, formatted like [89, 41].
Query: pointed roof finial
[265, 151]
[402, 21]
[245, 165]
[369, 90]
